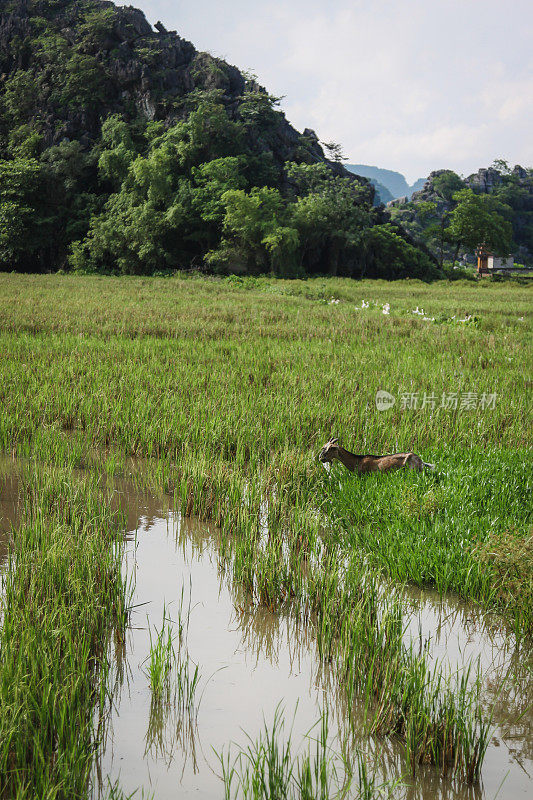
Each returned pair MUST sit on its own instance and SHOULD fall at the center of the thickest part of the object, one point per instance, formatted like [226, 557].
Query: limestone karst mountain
[124, 149]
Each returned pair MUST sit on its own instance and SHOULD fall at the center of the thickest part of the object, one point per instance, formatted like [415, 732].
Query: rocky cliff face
[77, 61]
[487, 179]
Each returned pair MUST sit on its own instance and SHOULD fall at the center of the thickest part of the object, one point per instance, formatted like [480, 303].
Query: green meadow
[225, 390]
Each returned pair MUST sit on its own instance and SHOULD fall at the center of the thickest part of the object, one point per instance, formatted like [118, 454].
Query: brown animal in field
[368, 463]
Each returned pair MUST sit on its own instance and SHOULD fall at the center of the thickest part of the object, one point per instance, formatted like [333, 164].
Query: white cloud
[509, 100]
[403, 84]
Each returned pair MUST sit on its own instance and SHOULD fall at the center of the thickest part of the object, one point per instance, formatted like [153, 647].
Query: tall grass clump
[174, 685]
[63, 598]
[271, 767]
[159, 662]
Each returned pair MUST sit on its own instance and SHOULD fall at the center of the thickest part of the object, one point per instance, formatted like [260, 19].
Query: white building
[497, 262]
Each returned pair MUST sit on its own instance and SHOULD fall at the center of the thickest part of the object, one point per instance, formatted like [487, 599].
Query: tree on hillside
[447, 183]
[258, 236]
[25, 220]
[389, 255]
[478, 219]
[330, 215]
[502, 166]
[335, 152]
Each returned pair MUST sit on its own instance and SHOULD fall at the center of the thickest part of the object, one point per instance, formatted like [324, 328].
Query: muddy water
[457, 634]
[251, 661]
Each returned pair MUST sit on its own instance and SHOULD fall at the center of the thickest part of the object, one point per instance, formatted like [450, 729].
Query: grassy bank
[466, 530]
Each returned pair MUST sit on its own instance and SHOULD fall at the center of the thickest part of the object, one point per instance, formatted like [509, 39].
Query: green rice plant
[184, 614]
[188, 680]
[174, 683]
[439, 719]
[172, 721]
[159, 662]
[64, 596]
[269, 768]
[225, 394]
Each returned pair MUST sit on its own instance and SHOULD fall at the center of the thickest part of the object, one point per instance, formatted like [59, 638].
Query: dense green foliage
[455, 215]
[478, 220]
[123, 150]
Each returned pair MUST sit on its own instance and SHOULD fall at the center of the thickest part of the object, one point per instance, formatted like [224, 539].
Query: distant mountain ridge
[393, 182]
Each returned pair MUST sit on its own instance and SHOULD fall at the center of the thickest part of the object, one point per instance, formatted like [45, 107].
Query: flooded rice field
[248, 662]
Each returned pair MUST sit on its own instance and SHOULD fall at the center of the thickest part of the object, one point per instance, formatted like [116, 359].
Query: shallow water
[251, 660]
[458, 633]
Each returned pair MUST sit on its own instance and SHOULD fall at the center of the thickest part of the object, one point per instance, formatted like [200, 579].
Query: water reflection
[251, 659]
[268, 658]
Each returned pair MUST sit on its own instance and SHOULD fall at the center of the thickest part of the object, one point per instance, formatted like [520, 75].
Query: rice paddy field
[193, 605]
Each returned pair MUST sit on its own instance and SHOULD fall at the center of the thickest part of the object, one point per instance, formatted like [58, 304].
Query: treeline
[124, 150]
[146, 199]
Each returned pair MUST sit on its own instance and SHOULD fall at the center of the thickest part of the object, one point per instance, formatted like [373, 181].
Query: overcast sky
[409, 85]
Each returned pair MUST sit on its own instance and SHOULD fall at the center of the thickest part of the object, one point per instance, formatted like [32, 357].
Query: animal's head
[329, 451]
